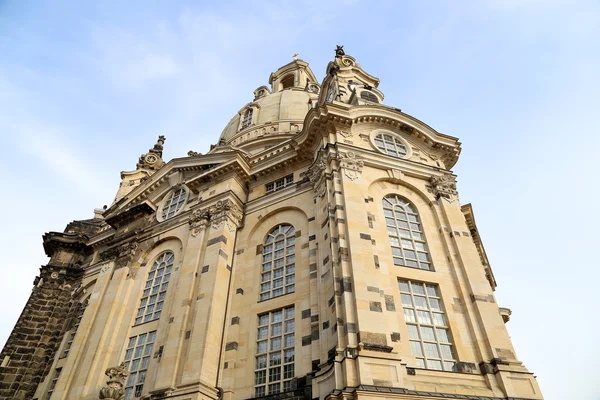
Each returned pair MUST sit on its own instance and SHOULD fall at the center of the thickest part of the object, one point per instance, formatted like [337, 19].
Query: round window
[173, 203]
[390, 144]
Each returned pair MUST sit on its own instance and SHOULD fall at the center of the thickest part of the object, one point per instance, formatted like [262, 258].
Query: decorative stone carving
[114, 388]
[193, 153]
[198, 221]
[126, 253]
[121, 255]
[339, 51]
[153, 158]
[345, 134]
[443, 186]
[395, 175]
[226, 212]
[316, 170]
[351, 163]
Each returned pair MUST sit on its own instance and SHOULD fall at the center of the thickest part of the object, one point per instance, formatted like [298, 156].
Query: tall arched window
[155, 289]
[405, 231]
[279, 262]
[369, 96]
[247, 121]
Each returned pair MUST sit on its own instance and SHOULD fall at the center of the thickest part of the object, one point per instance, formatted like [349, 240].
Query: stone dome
[278, 110]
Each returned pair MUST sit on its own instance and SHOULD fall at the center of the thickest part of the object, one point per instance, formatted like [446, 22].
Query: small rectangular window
[279, 184]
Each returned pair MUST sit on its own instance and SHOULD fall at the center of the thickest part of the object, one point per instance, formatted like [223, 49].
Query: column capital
[226, 212]
[443, 186]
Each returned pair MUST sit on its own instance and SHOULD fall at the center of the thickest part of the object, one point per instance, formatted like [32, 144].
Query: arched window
[155, 289]
[369, 96]
[76, 323]
[409, 248]
[247, 121]
[390, 145]
[279, 262]
[173, 203]
[287, 82]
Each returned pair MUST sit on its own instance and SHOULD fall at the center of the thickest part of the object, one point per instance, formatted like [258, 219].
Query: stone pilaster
[207, 328]
[182, 316]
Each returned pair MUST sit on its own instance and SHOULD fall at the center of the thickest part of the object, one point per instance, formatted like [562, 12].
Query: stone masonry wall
[33, 343]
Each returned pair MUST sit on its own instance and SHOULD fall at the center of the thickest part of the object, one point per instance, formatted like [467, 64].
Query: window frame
[396, 136]
[247, 118]
[412, 234]
[263, 376]
[269, 258]
[432, 325]
[151, 277]
[279, 184]
[168, 197]
[132, 381]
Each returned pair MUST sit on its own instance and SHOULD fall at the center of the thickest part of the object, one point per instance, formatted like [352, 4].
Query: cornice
[53, 241]
[386, 392]
[125, 217]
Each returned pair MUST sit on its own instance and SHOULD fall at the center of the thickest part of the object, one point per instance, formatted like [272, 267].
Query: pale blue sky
[85, 88]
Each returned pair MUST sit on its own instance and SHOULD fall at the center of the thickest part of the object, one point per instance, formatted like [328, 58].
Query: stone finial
[339, 51]
[158, 147]
[153, 158]
[114, 388]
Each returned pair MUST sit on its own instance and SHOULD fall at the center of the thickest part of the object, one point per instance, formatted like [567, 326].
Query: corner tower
[318, 250]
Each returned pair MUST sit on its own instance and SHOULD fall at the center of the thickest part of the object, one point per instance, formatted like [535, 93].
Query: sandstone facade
[318, 251]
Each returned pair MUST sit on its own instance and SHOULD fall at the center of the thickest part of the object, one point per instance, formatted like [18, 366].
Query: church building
[319, 250]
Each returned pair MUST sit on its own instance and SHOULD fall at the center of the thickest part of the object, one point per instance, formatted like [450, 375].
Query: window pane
[424, 317]
[431, 350]
[446, 351]
[416, 349]
[404, 286]
[420, 302]
[409, 315]
[434, 364]
[427, 333]
[443, 335]
[413, 332]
